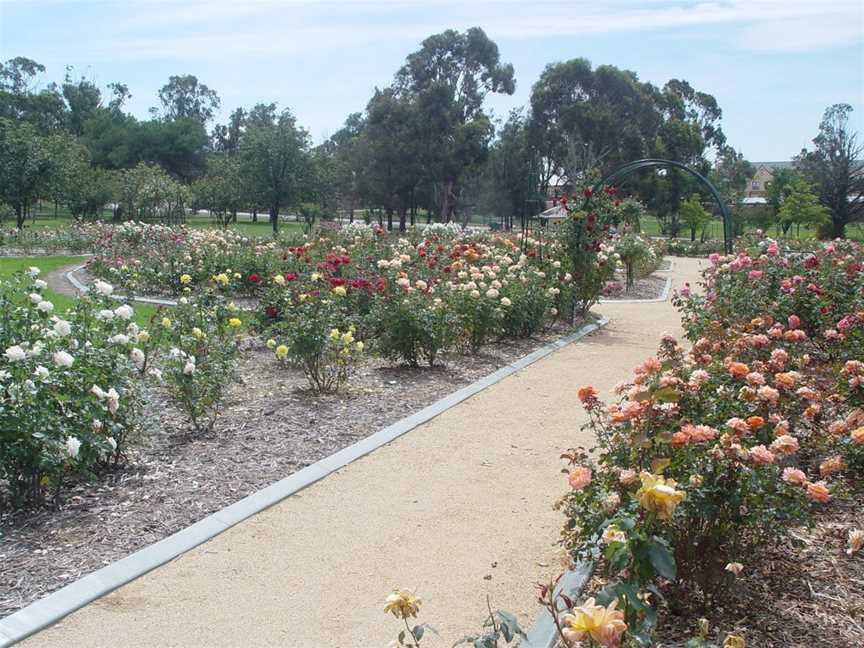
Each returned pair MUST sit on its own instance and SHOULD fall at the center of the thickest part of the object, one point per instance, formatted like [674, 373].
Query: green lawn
[11, 265]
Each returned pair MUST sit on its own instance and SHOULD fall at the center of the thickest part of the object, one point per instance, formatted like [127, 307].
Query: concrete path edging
[54, 607]
[544, 634]
[72, 279]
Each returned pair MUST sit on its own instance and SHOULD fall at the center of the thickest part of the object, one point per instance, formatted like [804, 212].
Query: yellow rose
[339, 291]
[734, 641]
[658, 495]
[359, 347]
[235, 322]
[281, 351]
[143, 336]
[279, 280]
[403, 604]
[185, 279]
[604, 625]
[271, 343]
[335, 334]
[166, 322]
[197, 333]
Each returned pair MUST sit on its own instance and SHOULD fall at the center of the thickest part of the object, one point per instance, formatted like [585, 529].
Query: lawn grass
[11, 265]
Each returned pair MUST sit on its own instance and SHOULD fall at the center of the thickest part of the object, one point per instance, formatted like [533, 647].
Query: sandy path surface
[458, 508]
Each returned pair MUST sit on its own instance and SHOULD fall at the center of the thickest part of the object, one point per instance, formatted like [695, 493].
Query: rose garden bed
[272, 426]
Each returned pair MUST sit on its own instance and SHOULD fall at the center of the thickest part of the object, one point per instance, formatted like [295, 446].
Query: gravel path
[459, 508]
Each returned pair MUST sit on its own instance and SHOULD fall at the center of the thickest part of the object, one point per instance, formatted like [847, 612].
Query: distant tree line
[424, 147]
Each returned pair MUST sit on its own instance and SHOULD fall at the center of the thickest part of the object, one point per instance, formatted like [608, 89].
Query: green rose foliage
[69, 401]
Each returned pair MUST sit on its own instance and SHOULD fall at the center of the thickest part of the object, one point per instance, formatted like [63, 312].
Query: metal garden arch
[650, 163]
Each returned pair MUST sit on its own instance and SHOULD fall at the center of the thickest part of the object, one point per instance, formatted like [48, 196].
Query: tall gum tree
[449, 77]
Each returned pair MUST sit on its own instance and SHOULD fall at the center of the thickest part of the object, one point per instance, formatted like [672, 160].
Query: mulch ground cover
[271, 427]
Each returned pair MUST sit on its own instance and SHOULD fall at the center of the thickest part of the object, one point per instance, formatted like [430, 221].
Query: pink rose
[580, 477]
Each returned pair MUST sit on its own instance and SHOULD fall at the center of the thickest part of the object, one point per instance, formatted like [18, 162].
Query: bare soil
[271, 427]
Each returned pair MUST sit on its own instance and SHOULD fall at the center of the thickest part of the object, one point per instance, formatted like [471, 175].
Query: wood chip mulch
[805, 592]
[271, 427]
[650, 287]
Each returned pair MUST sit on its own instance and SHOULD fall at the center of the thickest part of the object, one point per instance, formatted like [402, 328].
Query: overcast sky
[773, 65]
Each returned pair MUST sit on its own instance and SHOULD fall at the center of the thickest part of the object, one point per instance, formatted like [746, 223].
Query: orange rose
[587, 393]
[755, 422]
[738, 369]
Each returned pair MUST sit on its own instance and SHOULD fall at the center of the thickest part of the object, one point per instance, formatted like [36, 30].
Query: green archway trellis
[651, 163]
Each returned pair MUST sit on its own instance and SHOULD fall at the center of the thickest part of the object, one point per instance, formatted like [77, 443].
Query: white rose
[35, 298]
[62, 328]
[41, 372]
[189, 369]
[73, 445]
[40, 284]
[106, 315]
[45, 306]
[113, 399]
[97, 392]
[15, 353]
[33, 271]
[505, 301]
[119, 339]
[137, 356]
[123, 312]
[63, 359]
[103, 288]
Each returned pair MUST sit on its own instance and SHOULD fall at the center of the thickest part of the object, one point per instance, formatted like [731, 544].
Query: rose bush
[709, 454]
[69, 401]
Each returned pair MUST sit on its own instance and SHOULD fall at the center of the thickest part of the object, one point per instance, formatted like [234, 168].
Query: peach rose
[794, 476]
[818, 492]
[580, 477]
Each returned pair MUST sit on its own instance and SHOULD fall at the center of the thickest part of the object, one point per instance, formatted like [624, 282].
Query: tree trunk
[20, 215]
[389, 219]
[692, 234]
[274, 218]
[402, 219]
[255, 215]
[446, 203]
[838, 228]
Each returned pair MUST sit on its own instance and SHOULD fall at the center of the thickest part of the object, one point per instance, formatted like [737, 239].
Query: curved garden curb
[72, 279]
[51, 609]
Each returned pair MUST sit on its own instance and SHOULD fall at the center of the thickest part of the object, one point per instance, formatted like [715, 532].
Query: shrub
[199, 354]
[413, 327]
[638, 257]
[313, 340]
[68, 398]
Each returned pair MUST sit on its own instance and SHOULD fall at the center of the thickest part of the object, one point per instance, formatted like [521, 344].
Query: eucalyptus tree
[184, 97]
[448, 79]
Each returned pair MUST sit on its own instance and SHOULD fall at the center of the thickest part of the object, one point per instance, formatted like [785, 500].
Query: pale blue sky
[774, 65]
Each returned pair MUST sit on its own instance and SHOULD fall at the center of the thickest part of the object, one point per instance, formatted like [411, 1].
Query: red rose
[254, 278]
[271, 312]
[290, 276]
[588, 192]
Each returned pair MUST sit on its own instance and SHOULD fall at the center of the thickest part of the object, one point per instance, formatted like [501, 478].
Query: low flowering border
[54, 607]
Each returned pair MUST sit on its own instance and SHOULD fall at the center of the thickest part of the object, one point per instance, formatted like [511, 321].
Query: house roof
[787, 164]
